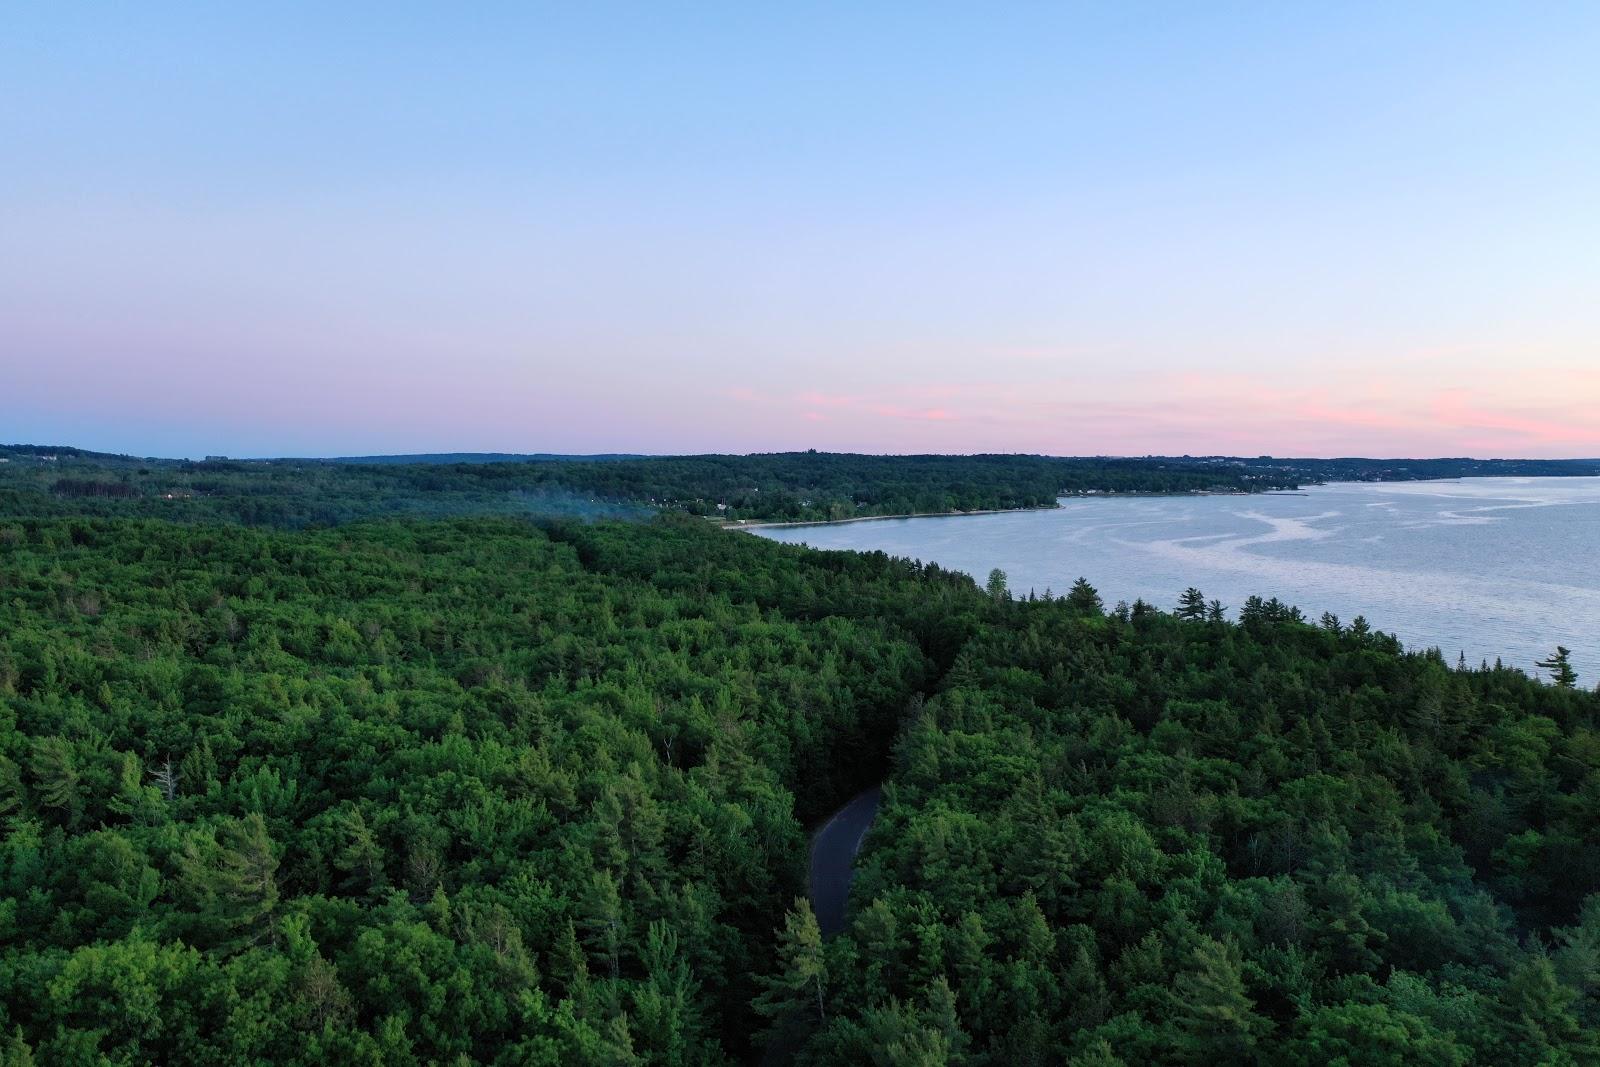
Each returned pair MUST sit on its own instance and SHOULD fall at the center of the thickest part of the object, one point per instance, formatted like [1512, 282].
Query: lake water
[1492, 567]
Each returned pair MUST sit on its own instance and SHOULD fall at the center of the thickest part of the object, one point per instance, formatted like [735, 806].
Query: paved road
[833, 853]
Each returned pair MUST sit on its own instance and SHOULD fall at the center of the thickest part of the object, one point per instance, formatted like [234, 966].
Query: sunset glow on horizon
[1114, 230]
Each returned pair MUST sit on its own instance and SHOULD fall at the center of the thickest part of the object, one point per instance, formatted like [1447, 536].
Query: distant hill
[416, 459]
[59, 451]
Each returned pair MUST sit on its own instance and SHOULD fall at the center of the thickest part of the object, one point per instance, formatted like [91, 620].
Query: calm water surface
[1506, 567]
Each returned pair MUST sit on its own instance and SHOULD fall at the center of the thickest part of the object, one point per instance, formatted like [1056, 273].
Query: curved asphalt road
[833, 853]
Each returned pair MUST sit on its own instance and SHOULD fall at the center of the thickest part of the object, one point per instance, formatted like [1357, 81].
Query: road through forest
[833, 853]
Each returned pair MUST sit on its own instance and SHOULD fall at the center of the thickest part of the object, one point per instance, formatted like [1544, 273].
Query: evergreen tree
[602, 920]
[666, 1009]
[360, 854]
[1084, 599]
[1540, 1025]
[55, 775]
[1218, 1021]
[16, 1052]
[943, 1019]
[569, 964]
[1192, 605]
[12, 791]
[802, 980]
[231, 873]
[1560, 667]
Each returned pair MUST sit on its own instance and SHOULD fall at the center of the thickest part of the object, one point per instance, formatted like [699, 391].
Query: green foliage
[485, 791]
[1560, 667]
[1205, 842]
[1218, 1022]
[801, 985]
[422, 791]
[996, 585]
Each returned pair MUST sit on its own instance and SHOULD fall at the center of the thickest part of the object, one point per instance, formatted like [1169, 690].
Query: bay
[1488, 568]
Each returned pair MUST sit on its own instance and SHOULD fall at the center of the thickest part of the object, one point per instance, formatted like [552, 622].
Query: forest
[777, 487]
[297, 779]
[1405, 470]
[771, 487]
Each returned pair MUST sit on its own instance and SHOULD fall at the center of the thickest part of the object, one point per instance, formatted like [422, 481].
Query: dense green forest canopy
[495, 790]
[1137, 837]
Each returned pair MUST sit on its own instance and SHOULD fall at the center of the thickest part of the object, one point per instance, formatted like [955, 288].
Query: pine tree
[876, 931]
[1031, 931]
[133, 799]
[360, 853]
[1218, 1019]
[1537, 1013]
[1098, 1054]
[965, 949]
[1192, 605]
[16, 1052]
[322, 999]
[1560, 667]
[804, 975]
[602, 919]
[55, 774]
[618, 1041]
[1088, 999]
[943, 1018]
[1084, 599]
[233, 877]
[11, 790]
[1345, 934]
[569, 964]
[668, 1024]
[199, 770]
[920, 1047]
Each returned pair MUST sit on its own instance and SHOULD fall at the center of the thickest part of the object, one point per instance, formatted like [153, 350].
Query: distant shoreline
[736, 524]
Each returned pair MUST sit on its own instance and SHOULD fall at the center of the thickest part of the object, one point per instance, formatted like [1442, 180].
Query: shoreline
[734, 524]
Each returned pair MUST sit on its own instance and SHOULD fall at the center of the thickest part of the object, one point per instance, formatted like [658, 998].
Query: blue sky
[1074, 229]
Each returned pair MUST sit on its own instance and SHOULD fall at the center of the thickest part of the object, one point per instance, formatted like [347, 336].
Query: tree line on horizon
[779, 487]
[773, 487]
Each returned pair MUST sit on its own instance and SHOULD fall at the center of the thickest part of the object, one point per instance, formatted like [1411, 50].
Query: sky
[1119, 228]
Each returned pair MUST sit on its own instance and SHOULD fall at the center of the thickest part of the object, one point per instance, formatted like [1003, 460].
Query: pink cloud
[1372, 408]
[1556, 426]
